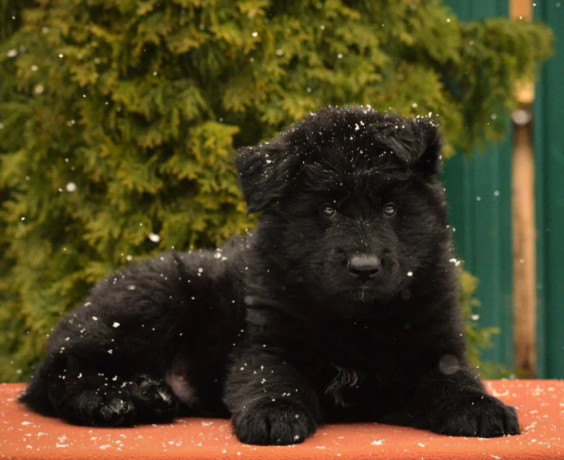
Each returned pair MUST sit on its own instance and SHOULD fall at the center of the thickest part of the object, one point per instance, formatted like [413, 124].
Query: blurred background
[118, 120]
[507, 205]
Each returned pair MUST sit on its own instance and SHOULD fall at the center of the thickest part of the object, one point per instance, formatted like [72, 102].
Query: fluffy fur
[341, 306]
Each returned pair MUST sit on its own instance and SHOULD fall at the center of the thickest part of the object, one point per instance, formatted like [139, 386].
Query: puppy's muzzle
[364, 268]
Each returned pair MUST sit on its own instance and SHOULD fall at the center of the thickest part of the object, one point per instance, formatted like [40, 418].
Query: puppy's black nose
[364, 267]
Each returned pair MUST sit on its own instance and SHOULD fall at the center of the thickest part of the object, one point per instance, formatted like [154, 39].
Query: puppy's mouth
[369, 292]
[363, 294]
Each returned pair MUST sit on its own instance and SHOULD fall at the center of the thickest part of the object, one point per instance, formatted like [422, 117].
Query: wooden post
[524, 254]
[524, 239]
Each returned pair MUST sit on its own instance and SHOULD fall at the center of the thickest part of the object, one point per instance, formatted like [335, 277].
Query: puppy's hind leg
[84, 396]
[141, 400]
[107, 360]
[63, 387]
[93, 403]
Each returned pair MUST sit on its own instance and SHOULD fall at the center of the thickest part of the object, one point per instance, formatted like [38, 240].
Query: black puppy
[342, 306]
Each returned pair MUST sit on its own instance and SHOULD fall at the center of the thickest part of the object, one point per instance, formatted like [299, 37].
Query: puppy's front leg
[270, 401]
[458, 405]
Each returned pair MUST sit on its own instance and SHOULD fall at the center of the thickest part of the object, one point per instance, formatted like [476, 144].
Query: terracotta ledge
[540, 405]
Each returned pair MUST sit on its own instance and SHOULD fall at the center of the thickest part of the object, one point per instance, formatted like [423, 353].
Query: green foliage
[118, 119]
[477, 338]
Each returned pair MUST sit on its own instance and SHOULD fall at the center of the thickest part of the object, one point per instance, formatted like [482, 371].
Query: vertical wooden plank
[524, 251]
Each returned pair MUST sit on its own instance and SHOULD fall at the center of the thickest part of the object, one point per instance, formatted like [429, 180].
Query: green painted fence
[549, 158]
[479, 195]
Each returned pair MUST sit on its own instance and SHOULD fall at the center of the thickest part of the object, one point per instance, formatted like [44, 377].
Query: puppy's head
[350, 200]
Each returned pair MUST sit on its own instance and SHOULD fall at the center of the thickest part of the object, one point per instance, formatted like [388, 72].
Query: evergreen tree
[118, 119]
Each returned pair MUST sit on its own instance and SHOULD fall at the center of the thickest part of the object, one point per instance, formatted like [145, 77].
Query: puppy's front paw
[274, 423]
[478, 415]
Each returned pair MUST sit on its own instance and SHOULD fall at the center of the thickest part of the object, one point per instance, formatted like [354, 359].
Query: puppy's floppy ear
[264, 173]
[429, 154]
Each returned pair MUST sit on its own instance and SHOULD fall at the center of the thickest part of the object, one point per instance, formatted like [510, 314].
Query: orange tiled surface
[540, 404]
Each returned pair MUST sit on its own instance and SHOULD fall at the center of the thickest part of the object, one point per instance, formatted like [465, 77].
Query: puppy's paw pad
[115, 409]
[483, 416]
[111, 410]
[154, 396]
[272, 423]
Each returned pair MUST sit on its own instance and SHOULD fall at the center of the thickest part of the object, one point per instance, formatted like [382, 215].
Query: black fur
[342, 306]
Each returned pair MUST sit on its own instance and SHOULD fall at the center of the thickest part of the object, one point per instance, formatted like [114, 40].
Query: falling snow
[455, 262]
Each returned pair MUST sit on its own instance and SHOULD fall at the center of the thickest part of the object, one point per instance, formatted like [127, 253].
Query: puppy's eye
[328, 210]
[390, 209]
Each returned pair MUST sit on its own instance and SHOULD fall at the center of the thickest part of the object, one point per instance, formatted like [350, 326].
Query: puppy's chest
[353, 366]
[362, 348]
